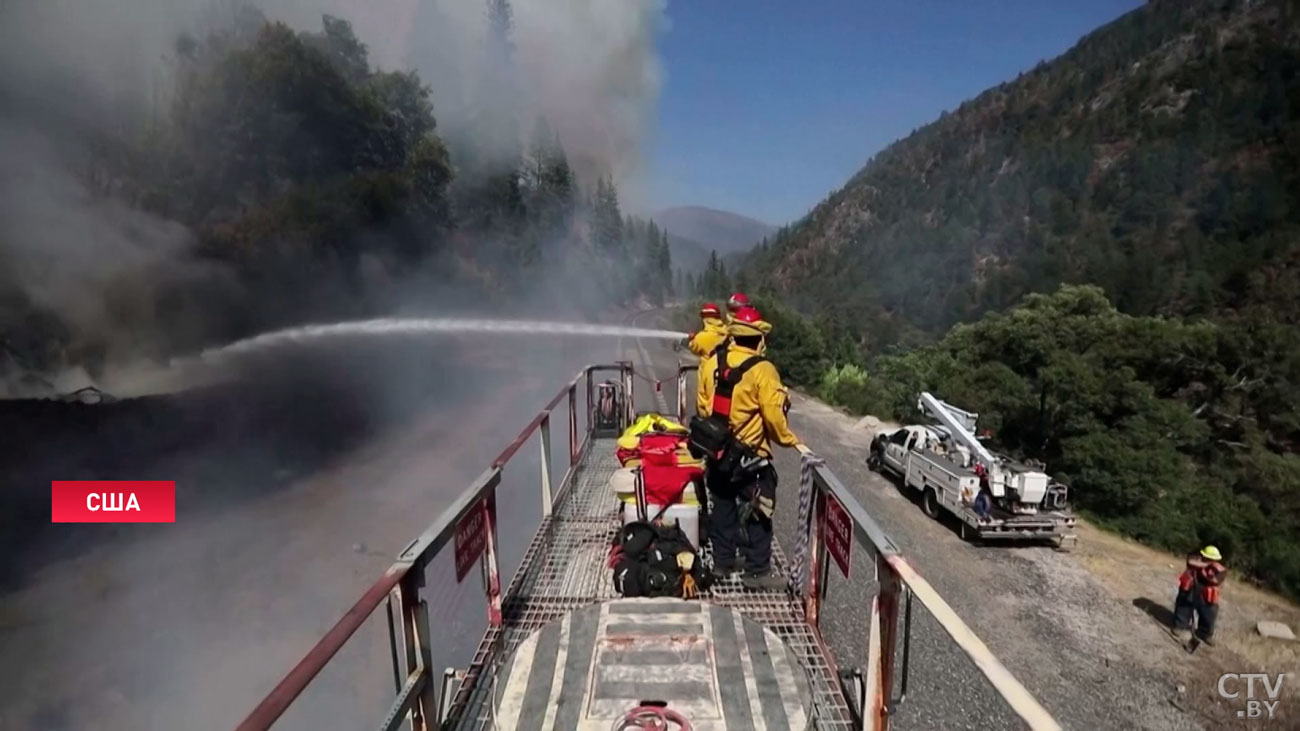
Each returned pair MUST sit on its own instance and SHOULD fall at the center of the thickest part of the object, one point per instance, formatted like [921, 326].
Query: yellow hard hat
[1212, 553]
[748, 322]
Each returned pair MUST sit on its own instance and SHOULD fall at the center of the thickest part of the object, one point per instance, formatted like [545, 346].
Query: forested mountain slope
[1102, 259]
[1159, 158]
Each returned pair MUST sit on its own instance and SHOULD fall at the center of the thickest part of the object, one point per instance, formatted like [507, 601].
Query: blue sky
[769, 105]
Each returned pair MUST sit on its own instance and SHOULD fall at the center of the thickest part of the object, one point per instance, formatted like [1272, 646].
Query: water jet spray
[427, 326]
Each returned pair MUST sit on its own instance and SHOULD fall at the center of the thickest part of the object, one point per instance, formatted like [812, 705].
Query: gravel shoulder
[1081, 630]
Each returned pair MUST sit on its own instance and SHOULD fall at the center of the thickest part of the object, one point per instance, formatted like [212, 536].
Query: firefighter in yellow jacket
[746, 388]
[704, 342]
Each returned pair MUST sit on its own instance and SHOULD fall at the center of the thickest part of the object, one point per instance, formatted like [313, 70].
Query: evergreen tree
[549, 191]
[607, 221]
[498, 123]
[665, 264]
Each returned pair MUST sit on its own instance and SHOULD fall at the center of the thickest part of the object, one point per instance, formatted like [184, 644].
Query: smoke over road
[297, 485]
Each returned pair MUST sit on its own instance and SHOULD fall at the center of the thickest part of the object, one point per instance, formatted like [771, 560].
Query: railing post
[890, 593]
[629, 405]
[573, 424]
[493, 561]
[681, 394]
[816, 557]
[880, 648]
[546, 465]
[591, 404]
[418, 650]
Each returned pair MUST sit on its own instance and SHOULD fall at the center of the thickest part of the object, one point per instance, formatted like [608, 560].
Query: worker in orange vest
[1198, 594]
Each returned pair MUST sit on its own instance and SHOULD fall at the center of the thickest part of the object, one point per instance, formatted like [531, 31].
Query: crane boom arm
[961, 429]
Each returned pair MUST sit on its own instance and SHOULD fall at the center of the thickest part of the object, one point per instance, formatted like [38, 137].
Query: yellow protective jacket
[704, 342]
[758, 403]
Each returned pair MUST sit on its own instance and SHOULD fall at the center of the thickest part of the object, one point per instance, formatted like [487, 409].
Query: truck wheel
[930, 503]
[873, 462]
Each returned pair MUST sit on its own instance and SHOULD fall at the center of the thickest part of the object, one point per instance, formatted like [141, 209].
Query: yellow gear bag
[646, 423]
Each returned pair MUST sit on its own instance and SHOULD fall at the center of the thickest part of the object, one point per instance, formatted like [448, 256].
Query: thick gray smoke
[297, 484]
[73, 74]
[588, 66]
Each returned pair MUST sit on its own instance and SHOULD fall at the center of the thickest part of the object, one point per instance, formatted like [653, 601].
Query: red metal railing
[418, 694]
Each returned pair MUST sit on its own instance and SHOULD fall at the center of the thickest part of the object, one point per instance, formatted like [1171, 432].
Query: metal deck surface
[584, 671]
[565, 569]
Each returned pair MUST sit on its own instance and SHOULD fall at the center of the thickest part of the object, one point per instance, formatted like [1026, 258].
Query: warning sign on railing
[838, 529]
[471, 536]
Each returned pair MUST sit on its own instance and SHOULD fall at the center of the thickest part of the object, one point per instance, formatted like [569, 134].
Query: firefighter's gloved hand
[757, 507]
[746, 512]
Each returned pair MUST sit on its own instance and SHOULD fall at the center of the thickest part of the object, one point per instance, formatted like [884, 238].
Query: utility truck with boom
[994, 496]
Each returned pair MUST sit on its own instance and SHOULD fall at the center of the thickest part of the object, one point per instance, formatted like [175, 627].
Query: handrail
[278, 700]
[542, 416]
[1011, 690]
[895, 573]
[418, 694]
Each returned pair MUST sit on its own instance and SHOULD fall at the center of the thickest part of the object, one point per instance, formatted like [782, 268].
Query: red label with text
[112, 501]
[471, 536]
[838, 531]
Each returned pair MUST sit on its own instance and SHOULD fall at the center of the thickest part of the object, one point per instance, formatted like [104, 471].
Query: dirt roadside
[1132, 587]
[1143, 578]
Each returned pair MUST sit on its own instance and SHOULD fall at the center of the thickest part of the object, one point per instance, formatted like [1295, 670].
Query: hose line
[651, 718]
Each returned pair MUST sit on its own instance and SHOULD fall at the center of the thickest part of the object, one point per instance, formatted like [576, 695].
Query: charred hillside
[1159, 158]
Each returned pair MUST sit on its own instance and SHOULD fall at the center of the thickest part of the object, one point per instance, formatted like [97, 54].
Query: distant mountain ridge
[712, 229]
[688, 255]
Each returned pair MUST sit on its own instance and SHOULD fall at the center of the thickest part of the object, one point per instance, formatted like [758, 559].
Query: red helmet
[748, 321]
[737, 301]
[710, 310]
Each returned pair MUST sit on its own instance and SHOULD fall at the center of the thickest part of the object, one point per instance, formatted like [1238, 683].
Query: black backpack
[644, 559]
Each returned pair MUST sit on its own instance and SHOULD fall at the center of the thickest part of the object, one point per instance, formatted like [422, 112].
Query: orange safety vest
[1207, 576]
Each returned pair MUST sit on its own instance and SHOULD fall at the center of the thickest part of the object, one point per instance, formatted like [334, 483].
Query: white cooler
[686, 513]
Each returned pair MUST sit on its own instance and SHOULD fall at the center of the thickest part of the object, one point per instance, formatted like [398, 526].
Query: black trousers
[1189, 604]
[728, 533]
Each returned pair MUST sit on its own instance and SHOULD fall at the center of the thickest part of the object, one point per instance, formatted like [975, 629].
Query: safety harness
[727, 378]
[712, 435]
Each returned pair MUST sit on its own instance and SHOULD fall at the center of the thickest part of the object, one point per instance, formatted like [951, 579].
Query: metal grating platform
[564, 570]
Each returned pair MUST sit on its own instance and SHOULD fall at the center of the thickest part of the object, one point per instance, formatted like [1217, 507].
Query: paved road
[1085, 657]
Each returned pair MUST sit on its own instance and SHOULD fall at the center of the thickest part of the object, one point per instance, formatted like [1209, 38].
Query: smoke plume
[77, 78]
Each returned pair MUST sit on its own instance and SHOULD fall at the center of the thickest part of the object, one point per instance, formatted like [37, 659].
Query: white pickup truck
[993, 496]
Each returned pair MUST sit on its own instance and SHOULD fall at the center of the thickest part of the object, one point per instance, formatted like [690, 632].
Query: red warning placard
[838, 529]
[112, 501]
